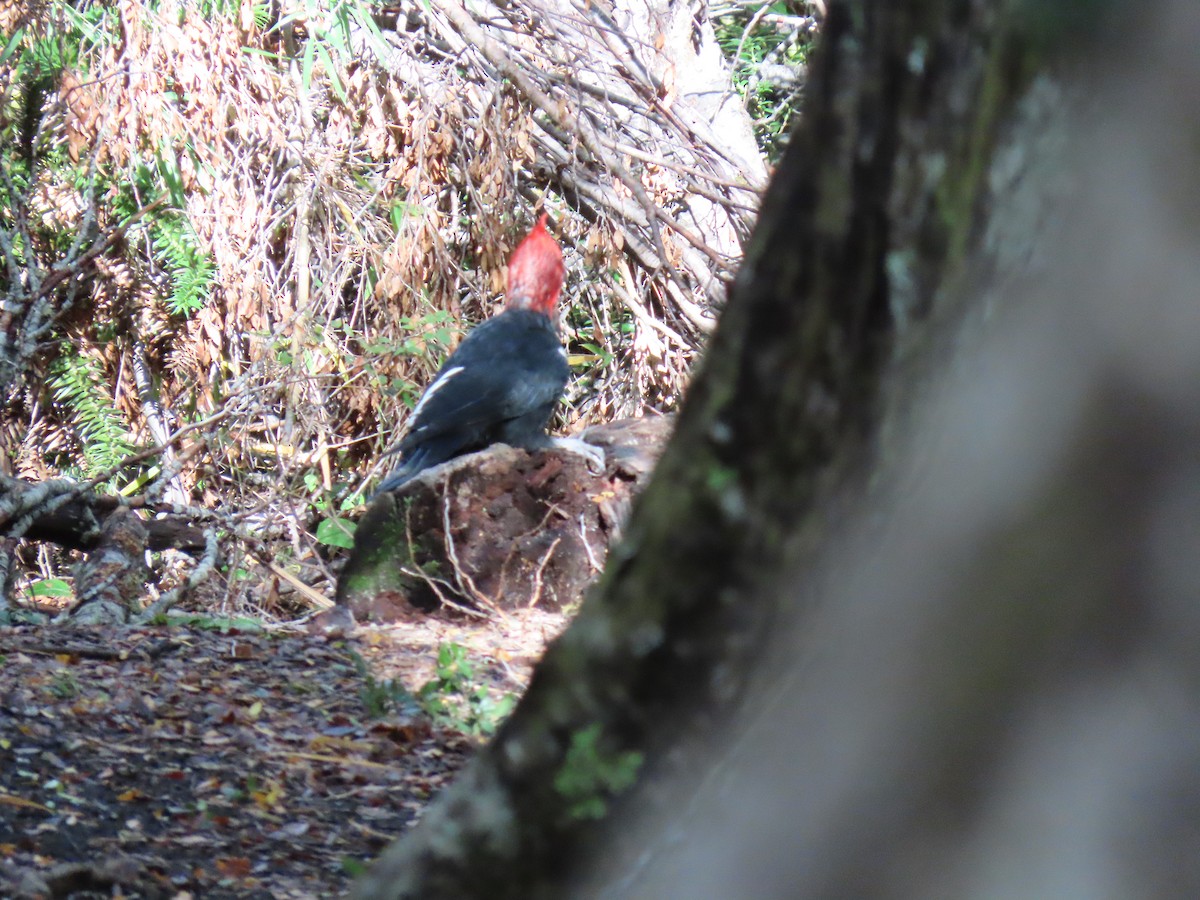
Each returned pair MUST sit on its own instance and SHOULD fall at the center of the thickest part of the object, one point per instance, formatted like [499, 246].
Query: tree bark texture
[870, 215]
[998, 694]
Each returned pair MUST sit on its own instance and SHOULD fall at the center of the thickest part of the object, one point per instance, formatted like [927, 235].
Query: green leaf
[362, 16]
[50, 587]
[336, 532]
[353, 867]
[399, 212]
[223, 624]
[168, 170]
[12, 45]
[335, 82]
[306, 64]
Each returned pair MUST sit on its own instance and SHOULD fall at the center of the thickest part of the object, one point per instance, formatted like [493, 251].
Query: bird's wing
[506, 367]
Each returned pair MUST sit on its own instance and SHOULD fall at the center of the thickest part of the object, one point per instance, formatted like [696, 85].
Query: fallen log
[42, 512]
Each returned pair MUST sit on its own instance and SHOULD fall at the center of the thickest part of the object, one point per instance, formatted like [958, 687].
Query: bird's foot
[593, 454]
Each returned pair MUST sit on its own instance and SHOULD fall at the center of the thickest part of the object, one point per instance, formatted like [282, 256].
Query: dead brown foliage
[346, 206]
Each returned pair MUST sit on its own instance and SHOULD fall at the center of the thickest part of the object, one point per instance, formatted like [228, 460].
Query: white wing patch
[437, 385]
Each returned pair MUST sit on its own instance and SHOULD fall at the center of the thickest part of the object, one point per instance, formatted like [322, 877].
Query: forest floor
[178, 762]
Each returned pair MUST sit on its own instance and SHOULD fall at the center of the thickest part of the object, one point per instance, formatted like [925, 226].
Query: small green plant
[172, 237]
[382, 698]
[454, 700]
[64, 685]
[221, 624]
[79, 384]
[354, 867]
[335, 530]
[336, 34]
[596, 357]
[776, 35]
[427, 335]
[235, 793]
[590, 774]
[175, 241]
[212, 9]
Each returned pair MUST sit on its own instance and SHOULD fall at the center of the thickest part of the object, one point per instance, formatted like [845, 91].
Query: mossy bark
[873, 211]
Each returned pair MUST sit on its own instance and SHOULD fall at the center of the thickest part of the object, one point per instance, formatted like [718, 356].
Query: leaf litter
[183, 762]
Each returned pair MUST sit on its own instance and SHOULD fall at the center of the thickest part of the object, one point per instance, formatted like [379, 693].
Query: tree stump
[500, 529]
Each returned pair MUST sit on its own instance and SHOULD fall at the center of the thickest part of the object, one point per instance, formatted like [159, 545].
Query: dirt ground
[182, 762]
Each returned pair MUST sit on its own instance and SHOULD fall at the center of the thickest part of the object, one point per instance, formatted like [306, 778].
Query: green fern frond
[176, 247]
[78, 384]
[191, 270]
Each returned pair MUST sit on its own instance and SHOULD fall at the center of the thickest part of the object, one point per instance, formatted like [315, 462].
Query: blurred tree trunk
[923, 118]
[996, 690]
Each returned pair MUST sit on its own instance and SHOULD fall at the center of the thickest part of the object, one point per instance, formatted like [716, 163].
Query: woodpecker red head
[535, 272]
[505, 378]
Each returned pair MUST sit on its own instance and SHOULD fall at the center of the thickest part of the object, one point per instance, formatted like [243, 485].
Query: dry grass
[356, 214]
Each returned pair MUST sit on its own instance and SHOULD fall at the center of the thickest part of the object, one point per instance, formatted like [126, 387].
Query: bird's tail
[416, 460]
[402, 474]
[395, 478]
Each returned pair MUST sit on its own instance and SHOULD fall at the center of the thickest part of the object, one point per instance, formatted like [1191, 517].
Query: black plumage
[502, 383]
[500, 386]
